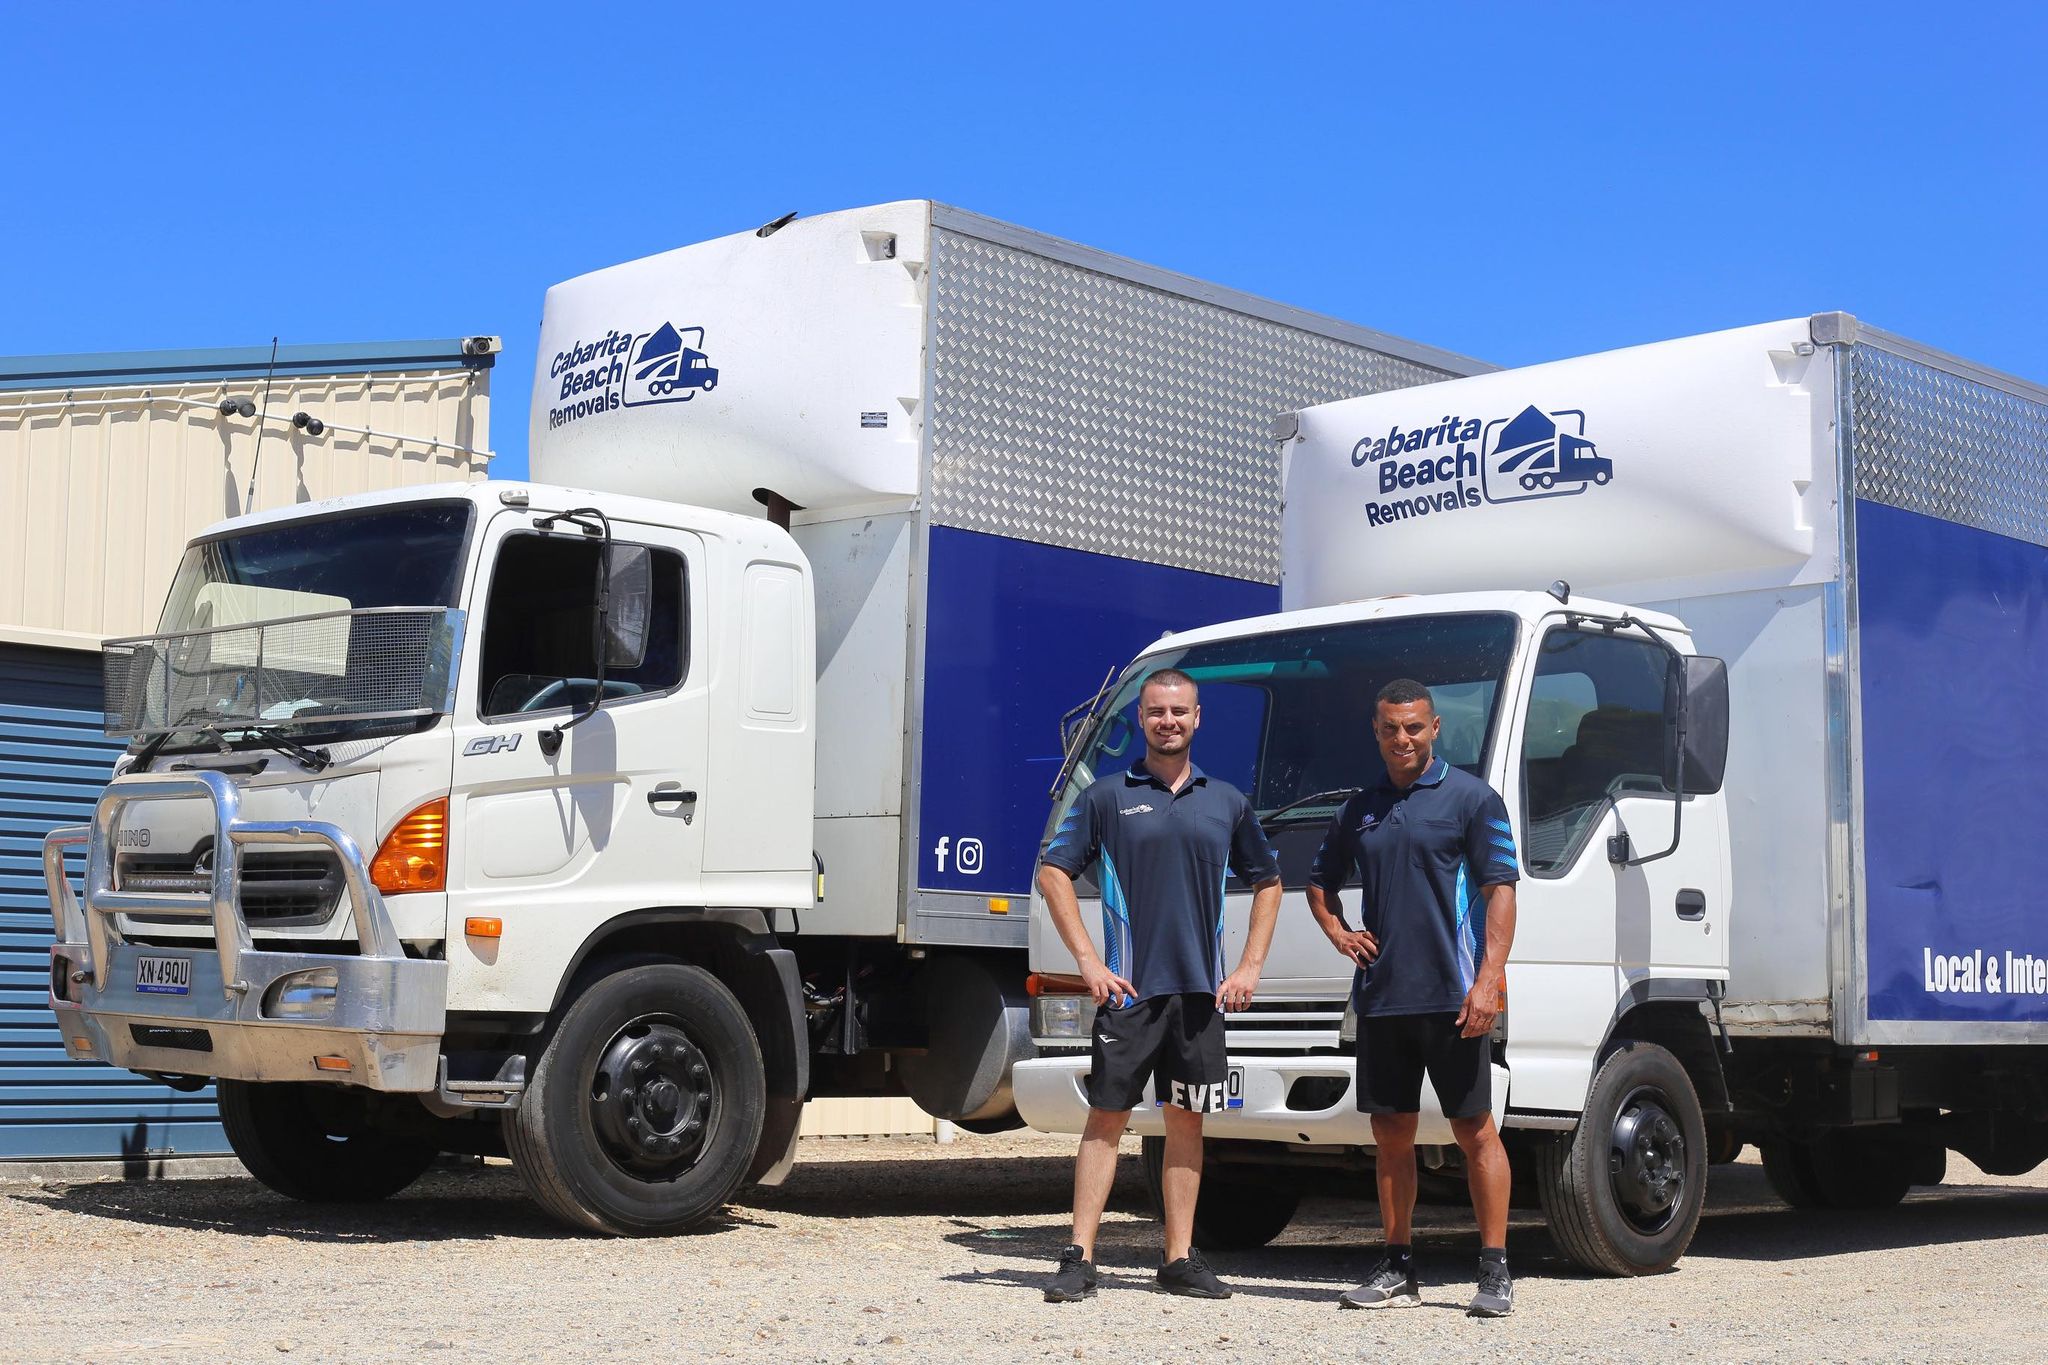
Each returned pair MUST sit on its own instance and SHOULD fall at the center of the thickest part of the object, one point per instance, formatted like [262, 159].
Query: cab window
[1594, 733]
[539, 649]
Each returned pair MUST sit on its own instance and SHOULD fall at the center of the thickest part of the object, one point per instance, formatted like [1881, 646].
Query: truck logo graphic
[1459, 463]
[669, 366]
[1538, 454]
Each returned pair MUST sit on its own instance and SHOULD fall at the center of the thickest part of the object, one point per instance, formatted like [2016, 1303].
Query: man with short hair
[1435, 859]
[1166, 835]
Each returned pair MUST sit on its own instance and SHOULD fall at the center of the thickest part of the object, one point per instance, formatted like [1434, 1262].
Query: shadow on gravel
[995, 1186]
[1746, 1222]
[479, 1205]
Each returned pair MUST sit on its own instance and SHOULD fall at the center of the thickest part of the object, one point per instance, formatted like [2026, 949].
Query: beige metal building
[108, 465]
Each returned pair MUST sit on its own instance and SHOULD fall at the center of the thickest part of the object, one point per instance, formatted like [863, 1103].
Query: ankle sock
[1499, 1254]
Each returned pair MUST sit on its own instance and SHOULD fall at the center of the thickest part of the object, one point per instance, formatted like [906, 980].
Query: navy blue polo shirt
[1165, 856]
[1422, 856]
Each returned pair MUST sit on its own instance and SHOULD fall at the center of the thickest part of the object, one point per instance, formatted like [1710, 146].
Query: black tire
[310, 1142]
[1848, 1171]
[1788, 1166]
[1623, 1192]
[1230, 1214]
[658, 1156]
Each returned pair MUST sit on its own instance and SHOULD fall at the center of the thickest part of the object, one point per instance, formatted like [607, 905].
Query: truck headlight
[302, 995]
[1063, 1016]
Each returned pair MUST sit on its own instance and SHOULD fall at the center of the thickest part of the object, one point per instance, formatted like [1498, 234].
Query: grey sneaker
[1496, 1296]
[1388, 1286]
[1190, 1275]
[1075, 1279]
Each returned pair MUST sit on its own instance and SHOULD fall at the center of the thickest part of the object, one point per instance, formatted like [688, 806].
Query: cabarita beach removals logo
[1464, 462]
[630, 370]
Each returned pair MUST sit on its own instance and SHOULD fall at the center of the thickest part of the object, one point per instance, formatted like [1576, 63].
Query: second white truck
[1747, 629]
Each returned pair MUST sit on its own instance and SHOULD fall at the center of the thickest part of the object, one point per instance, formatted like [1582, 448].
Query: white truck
[1808, 557]
[602, 820]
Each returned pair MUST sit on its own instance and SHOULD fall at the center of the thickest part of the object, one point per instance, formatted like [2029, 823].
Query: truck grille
[296, 887]
[1285, 1027]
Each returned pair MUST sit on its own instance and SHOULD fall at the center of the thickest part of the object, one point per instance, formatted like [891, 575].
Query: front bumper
[388, 1011]
[1051, 1098]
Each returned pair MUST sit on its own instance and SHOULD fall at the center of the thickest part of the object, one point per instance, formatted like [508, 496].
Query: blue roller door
[53, 761]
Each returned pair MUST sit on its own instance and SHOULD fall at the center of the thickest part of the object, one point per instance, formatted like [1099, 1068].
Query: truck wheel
[642, 1117]
[1846, 1171]
[1623, 1191]
[308, 1142]
[1230, 1215]
[1788, 1166]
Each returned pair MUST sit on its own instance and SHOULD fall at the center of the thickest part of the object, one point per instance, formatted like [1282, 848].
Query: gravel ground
[908, 1251]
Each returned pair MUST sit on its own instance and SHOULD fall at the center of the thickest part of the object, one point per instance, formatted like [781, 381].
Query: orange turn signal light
[414, 855]
[1046, 983]
[484, 926]
[332, 1064]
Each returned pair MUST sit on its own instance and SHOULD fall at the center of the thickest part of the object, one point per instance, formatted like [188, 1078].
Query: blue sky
[1517, 184]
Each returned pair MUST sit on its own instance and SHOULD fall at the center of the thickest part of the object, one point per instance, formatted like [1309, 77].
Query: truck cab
[1576, 711]
[609, 698]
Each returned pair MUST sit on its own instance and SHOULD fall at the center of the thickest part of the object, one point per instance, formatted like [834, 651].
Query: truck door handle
[1692, 904]
[671, 797]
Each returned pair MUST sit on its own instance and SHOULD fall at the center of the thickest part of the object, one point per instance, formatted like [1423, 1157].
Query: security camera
[237, 407]
[482, 345]
[308, 423]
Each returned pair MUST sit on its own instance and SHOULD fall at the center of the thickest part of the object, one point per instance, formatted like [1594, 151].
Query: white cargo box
[1017, 461]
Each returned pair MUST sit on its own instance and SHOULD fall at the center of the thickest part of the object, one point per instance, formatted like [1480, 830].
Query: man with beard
[1166, 834]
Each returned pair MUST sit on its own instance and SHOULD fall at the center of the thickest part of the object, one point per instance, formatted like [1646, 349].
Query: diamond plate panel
[1076, 409]
[1933, 442]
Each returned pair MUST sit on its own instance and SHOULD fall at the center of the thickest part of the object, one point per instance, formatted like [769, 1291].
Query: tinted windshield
[407, 556]
[1288, 716]
[333, 676]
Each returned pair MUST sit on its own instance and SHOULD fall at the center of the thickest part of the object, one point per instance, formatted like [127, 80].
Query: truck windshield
[323, 567]
[408, 556]
[1287, 717]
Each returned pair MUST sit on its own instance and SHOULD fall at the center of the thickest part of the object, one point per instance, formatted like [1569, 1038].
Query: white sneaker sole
[1397, 1301]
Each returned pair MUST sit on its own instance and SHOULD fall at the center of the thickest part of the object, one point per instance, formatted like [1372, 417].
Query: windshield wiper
[149, 752]
[312, 760]
[1328, 798]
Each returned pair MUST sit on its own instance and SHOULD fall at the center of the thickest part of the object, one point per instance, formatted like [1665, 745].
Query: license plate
[163, 975]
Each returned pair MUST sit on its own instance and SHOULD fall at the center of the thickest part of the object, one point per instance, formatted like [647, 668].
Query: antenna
[249, 498]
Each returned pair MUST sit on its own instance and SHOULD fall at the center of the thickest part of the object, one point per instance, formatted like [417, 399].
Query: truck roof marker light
[333, 1064]
[414, 855]
[484, 926]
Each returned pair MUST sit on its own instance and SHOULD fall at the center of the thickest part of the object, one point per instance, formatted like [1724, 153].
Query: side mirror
[631, 593]
[1696, 686]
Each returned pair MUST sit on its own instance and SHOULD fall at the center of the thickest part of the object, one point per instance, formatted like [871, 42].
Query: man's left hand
[1236, 991]
[1483, 1004]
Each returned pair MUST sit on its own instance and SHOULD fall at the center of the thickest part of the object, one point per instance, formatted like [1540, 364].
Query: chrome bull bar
[388, 1011]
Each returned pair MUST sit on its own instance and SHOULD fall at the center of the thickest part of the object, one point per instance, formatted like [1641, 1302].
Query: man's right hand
[1104, 983]
[1357, 944]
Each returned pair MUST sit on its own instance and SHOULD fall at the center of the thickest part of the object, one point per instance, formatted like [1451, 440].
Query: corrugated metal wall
[102, 483]
[53, 761]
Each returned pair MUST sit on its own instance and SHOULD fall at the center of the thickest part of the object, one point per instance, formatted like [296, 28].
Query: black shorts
[1394, 1050]
[1174, 1041]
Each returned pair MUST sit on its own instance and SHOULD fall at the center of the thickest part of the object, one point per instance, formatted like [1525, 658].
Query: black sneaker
[1190, 1275]
[1388, 1286]
[1496, 1296]
[1075, 1279]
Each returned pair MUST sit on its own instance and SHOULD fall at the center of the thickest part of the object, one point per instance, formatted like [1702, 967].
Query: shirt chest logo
[1134, 810]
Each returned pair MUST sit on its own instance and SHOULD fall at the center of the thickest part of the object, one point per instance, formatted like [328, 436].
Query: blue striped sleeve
[1077, 838]
[1490, 843]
